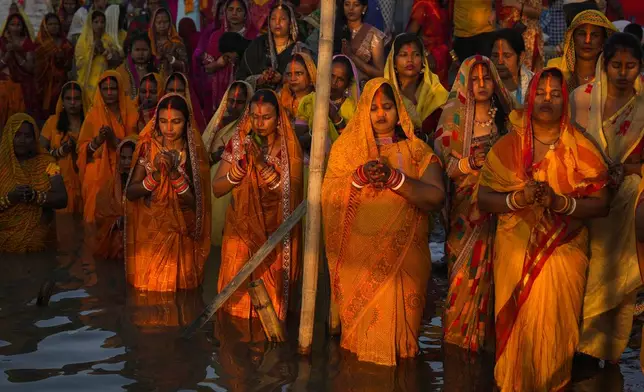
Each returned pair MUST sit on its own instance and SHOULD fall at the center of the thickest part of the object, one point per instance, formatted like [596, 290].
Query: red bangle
[149, 183]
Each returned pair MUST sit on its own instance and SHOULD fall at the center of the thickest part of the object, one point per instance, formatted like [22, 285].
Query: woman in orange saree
[473, 120]
[30, 187]
[168, 48]
[168, 203]
[109, 205]
[109, 121]
[543, 180]
[262, 167]
[60, 136]
[609, 110]
[178, 83]
[54, 54]
[380, 185]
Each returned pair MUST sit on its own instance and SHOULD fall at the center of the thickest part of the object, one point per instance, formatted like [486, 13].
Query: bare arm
[426, 193]
[135, 190]
[377, 58]
[220, 185]
[57, 194]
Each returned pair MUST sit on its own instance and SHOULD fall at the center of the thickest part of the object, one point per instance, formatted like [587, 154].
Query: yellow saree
[214, 138]
[613, 276]
[566, 63]
[430, 94]
[23, 227]
[376, 241]
[468, 317]
[539, 263]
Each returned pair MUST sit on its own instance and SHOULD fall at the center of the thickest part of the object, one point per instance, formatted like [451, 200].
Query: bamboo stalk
[246, 270]
[316, 171]
[264, 307]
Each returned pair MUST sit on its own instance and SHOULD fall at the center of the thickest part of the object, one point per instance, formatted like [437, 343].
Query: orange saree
[110, 212]
[255, 213]
[540, 263]
[95, 173]
[166, 245]
[53, 60]
[376, 241]
[67, 164]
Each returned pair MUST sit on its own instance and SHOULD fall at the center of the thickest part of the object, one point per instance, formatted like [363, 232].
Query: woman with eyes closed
[262, 167]
[421, 90]
[168, 203]
[610, 111]
[379, 188]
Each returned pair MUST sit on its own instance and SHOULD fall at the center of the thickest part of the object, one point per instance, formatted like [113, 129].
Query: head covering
[191, 97]
[592, 17]
[173, 35]
[26, 22]
[355, 85]
[59, 104]
[288, 100]
[160, 86]
[21, 230]
[456, 126]
[166, 210]
[213, 135]
[112, 27]
[47, 72]
[293, 31]
[431, 93]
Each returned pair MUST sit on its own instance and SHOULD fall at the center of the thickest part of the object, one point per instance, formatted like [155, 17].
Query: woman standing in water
[380, 185]
[168, 207]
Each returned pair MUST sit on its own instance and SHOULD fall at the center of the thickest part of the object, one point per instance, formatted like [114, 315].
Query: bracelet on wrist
[5, 203]
[149, 183]
[359, 178]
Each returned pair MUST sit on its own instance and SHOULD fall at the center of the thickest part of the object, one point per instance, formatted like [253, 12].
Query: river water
[96, 334]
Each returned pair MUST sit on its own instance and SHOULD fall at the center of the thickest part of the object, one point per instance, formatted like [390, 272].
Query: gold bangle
[565, 207]
[513, 200]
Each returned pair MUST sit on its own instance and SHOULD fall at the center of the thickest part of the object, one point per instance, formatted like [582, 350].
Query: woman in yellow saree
[473, 120]
[109, 121]
[167, 222]
[421, 90]
[380, 185]
[542, 180]
[262, 167]
[218, 132]
[610, 111]
[95, 52]
[30, 187]
[583, 43]
[60, 136]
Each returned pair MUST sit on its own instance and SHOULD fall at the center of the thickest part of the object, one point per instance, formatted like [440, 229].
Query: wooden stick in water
[246, 270]
[264, 307]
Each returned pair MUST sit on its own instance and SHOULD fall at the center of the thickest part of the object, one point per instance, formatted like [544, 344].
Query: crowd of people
[168, 127]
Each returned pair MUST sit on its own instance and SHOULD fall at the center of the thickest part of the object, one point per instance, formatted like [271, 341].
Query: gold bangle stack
[570, 205]
[236, 174]
[511, 201]
[5, 204]
[270, 176]
[464, 166]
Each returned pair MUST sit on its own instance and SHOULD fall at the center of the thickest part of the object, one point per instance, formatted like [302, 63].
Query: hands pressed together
[378, 174]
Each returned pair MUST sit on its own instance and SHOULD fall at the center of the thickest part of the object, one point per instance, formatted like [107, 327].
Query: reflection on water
[98, 334]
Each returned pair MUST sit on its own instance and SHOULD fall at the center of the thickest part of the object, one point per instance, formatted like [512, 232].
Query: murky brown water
[97, 335]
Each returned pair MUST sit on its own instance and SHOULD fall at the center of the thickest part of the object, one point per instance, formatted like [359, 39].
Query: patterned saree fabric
[539, 261]
[67, 164]
[97, 172]
[613, 276]
[215, 137]
[255, 213]
[167, 244]
[376, 241]
[22, 227]
[566, 63]
[430, 94]
[470, 236]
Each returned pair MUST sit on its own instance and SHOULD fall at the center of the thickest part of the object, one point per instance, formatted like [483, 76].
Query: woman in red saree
[262, 167]
[168, 203]
[429, 20]
[381, 183]
[17, 66]
[214, 68]
[54, 56]
[543, 180]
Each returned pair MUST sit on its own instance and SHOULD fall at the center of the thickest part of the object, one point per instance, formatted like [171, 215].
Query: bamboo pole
[316, 171]
[246, 270]
[264, 307]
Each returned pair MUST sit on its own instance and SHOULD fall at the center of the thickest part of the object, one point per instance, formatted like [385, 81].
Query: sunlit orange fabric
[51, 74]
[288, 100]
[539, 266]
[166, 245]
[21, 227]
[255, 213]
[67, 165]
[96, 174]
[376, 241]
[109, 211]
